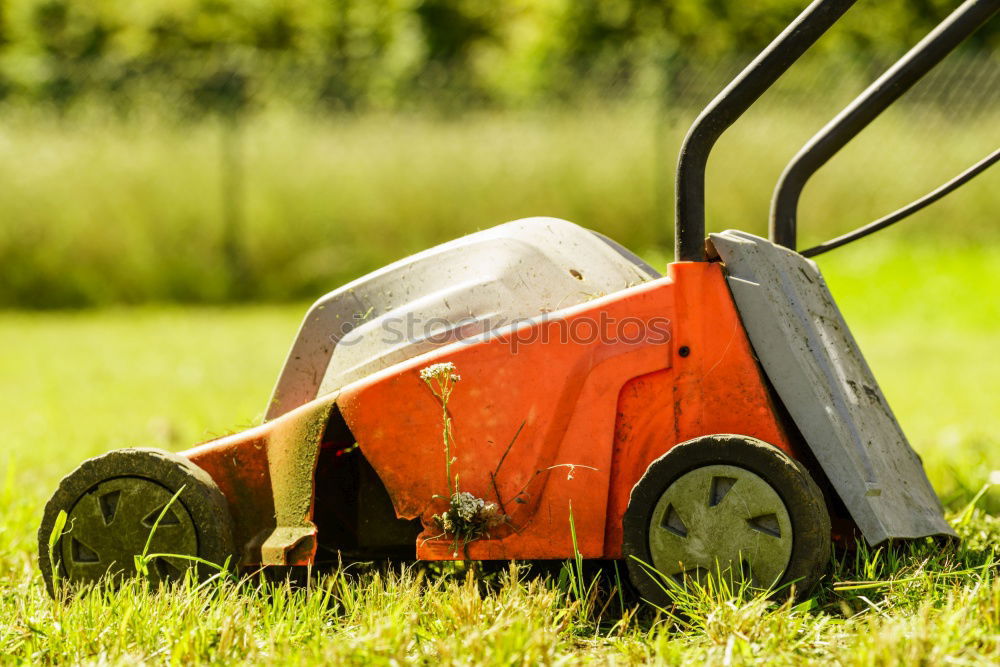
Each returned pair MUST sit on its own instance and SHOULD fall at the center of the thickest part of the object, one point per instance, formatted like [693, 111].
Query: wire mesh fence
[266, 177]
[234, 83]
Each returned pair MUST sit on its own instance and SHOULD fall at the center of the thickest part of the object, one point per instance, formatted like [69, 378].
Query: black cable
[909, 209]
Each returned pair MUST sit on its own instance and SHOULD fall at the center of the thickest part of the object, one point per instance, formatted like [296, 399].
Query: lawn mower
[535, 391]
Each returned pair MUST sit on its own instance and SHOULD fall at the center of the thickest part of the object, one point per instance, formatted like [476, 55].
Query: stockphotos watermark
[583, 330]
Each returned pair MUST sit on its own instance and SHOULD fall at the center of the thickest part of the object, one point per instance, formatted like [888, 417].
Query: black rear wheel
[725, 505]
[122, 505]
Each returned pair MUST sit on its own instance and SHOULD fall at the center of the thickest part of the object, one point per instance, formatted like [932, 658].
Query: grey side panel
[822, 378]
[457, 290]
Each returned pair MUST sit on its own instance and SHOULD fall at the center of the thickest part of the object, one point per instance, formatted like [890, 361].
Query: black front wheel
[122, 505]
[725, 505]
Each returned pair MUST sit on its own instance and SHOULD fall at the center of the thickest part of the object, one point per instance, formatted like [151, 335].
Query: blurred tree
[358, 52]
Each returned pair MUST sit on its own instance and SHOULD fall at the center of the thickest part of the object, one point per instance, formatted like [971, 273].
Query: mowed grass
[73, 385]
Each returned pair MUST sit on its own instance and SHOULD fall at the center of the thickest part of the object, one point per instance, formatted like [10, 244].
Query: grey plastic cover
[820, 375]
[480, 282]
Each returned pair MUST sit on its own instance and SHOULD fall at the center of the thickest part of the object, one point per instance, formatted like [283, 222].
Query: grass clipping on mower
[468, 516]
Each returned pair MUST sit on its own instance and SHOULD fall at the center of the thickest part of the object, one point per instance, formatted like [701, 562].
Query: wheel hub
[111, 523]
[721, 518]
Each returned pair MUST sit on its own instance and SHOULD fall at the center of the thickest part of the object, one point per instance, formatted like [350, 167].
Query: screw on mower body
[571, 407]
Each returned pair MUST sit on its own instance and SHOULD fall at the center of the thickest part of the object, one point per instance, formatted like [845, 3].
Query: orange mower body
[590, 410]
[536, 392]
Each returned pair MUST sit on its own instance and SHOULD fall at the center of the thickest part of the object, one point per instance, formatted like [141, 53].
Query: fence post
[232, 193]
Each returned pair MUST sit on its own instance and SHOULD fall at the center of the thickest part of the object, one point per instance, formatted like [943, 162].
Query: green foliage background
[222, 150]
[386, 54]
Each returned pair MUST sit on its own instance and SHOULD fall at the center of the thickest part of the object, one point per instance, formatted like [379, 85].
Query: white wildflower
[439, 370]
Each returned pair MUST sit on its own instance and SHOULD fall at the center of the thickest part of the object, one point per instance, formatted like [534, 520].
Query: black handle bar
[760, 74]
[865, 108]
[727, 107]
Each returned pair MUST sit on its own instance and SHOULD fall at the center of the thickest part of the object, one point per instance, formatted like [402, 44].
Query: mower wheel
[112, 503]
[725, 505]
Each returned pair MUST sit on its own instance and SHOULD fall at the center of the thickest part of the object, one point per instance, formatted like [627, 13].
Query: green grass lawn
[104, 211]
[73, 385]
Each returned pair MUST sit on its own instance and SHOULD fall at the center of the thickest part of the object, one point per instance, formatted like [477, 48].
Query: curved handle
[727, 107]
[865, 108]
